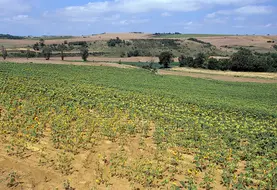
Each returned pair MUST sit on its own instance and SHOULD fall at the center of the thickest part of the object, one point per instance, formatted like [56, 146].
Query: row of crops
[184, 145]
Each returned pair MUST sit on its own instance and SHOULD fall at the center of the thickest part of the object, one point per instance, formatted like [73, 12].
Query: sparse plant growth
[165, 59]
[67, 186]
[12, 180]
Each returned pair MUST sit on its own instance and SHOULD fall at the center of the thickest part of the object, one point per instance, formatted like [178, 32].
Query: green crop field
[133, 129]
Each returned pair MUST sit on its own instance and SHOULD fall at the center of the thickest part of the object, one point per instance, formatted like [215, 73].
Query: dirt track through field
[221, 77]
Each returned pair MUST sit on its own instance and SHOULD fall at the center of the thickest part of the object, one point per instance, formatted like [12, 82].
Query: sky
[86, 17]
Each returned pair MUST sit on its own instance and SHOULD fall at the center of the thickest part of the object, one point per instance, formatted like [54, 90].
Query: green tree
[85, 53]
[46, 51]
[185, 61]
[62, 48]
[165, 59]
[242, 60]
[199, 61]
[41, 42]
[213, 64]
[4, 53]
[28, 53]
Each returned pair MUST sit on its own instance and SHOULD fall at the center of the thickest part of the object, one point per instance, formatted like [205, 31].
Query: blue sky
[85, 17]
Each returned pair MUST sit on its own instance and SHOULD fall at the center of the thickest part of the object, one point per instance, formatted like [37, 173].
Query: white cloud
[165, 14]
[131, 21]
[217, 20]
[112, 17]
[11, 7]
[254, 9]
[139, 6]
[20, 17]
[246, 10]
[239, 18]
[239, 26]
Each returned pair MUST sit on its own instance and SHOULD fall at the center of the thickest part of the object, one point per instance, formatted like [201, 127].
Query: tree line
[46, 50]
[243, 60]
[11, 37]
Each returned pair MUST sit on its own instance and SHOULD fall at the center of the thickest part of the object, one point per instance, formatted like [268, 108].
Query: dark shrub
[165, 59]
[199, 61]
[85, 53]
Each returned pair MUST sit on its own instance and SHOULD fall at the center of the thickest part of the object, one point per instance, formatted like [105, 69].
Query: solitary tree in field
[85, 53]
[62, 48]
[28, 53]
[166, 58]
[46, 51]
[4, 53]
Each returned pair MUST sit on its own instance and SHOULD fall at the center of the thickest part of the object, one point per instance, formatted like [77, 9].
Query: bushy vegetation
[207, 44]
[185, 61]
[169, 33]
[243, 60]
[8, 36]
[84, 52]
[46, 51]
[114, 42]
[149, 131]
[137, 53]
[78, 43]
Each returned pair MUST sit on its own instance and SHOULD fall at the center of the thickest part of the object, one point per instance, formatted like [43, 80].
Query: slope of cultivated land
[223, 44]
[138, 62]
[124, 36]
[231, 43]
[103, 127]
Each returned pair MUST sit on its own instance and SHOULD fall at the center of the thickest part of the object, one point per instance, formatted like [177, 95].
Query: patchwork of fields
[86, 127]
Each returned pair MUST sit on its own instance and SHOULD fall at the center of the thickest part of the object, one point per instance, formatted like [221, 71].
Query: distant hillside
[8, 36]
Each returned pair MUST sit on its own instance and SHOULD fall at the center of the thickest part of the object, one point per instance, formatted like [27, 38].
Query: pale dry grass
[229, 73]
